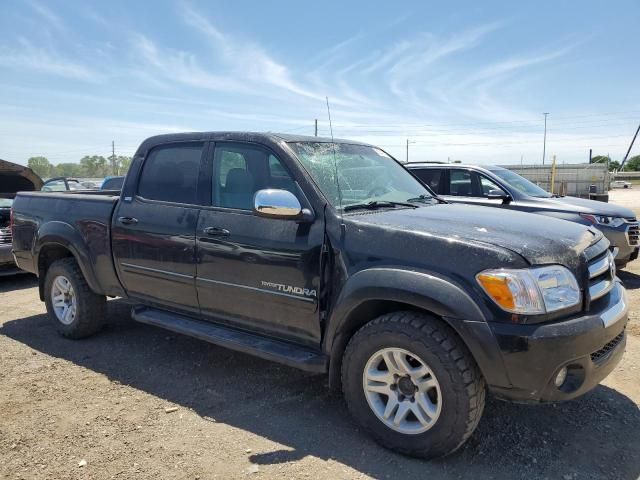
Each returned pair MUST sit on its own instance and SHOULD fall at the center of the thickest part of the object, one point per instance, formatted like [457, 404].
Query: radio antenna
[335, 161]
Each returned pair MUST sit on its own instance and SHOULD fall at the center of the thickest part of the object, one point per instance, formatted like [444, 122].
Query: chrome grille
[5, 235]
[604, 352]
[602, 274]
[633, 234]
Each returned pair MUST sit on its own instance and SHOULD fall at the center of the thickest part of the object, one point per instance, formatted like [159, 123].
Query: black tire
[91, 308]
[462, 386]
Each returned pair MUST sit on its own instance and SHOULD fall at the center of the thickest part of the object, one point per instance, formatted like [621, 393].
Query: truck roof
[259, 137]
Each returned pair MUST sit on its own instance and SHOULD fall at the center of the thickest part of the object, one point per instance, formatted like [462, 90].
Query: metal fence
[569, 179]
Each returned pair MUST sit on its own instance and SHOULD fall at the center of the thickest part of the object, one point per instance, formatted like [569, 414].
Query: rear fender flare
[63, 234]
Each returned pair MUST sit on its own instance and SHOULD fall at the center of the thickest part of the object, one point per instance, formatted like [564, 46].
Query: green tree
[633, 164]
[600, 159]
[94, 166]
[41, 166]
[614, 165]
[67, 170]
[122, 164]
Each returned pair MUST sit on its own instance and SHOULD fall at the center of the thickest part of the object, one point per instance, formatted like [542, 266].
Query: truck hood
[539, 240]
[583, 205]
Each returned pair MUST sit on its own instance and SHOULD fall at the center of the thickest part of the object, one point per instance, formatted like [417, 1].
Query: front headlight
[603, 220]
[532, 290]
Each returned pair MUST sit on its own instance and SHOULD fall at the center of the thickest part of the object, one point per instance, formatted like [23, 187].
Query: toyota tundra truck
[331, 257]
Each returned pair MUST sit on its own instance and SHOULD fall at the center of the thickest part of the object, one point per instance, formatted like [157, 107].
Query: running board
[260, 346]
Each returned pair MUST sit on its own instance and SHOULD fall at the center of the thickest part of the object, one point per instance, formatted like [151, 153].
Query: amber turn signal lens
[497, 287]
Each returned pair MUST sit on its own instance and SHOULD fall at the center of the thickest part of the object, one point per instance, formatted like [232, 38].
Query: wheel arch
[58, 240]
[397, 290]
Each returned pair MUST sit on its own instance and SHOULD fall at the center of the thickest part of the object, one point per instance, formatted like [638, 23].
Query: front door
[153, 233]
[254, 272]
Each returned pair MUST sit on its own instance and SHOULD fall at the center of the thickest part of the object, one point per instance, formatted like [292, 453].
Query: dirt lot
[104, 408]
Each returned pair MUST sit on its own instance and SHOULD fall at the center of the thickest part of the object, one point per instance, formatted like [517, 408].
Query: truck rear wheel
[75, 309]
[410, 381]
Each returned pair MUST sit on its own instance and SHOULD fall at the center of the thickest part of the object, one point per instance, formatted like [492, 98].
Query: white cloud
[30, 57]
[45, 13]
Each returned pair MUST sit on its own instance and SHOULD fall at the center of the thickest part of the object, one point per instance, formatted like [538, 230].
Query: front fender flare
[421, 290]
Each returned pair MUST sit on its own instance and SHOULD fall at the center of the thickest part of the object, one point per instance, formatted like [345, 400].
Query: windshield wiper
[422, 198]
[373, 204]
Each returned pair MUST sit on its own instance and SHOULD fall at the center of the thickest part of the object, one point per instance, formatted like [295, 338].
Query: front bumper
[590, 346]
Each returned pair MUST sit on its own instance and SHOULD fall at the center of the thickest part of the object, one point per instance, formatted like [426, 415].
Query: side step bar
[263, 347]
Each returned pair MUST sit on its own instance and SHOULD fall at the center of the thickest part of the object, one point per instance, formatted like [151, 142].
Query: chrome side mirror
[274, 203]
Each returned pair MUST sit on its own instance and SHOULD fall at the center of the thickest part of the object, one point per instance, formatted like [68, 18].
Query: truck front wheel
[75, 309]
[410, 381]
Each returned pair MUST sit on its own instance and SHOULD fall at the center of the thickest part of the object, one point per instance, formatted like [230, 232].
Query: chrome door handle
[217, 232]
[127, 220]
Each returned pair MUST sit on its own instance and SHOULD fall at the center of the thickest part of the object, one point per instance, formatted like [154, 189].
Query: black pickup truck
[331, 257]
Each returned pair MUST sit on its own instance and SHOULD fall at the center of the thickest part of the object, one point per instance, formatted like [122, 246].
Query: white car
[620, 184]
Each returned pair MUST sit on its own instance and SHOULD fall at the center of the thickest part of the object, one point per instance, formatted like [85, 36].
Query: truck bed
[57, 217]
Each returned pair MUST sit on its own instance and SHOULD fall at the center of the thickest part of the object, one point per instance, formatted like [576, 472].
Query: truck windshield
[365, 175]
[520, 183]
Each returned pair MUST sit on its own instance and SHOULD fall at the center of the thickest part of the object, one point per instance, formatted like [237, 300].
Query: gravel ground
[139, 402]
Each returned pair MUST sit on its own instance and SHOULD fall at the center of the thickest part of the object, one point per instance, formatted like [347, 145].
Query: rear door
[253, 272]
[153, 235]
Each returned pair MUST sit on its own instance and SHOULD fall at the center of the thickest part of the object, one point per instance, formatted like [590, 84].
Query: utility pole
[316, 127]
[629, 149]
[113, 158]
[544, 142]
[590, 154]
[408, 142]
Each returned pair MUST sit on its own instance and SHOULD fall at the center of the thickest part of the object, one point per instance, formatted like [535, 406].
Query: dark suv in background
[498, 187]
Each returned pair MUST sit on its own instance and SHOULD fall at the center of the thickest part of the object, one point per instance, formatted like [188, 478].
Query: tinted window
[430, 177]
[460, 183]
[170, 173]
[241, 170]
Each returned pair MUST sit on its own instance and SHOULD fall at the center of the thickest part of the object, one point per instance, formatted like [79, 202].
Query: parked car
[621, 184]
[90, 184]
[498, 187]
[413, 306]
[13, 177]
[112, 183]
[62, 184]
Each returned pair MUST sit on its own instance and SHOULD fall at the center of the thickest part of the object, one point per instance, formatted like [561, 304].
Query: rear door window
[430, 177]
[170, 173]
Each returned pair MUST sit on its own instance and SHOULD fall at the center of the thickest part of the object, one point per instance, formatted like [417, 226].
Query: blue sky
[461, 80]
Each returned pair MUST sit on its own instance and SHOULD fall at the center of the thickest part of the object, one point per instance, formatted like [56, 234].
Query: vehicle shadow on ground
[595, 434]
[630, 280]
[19, 281]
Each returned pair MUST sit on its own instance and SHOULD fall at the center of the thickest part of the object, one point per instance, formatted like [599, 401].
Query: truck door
[254, 272]
[154, 230]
